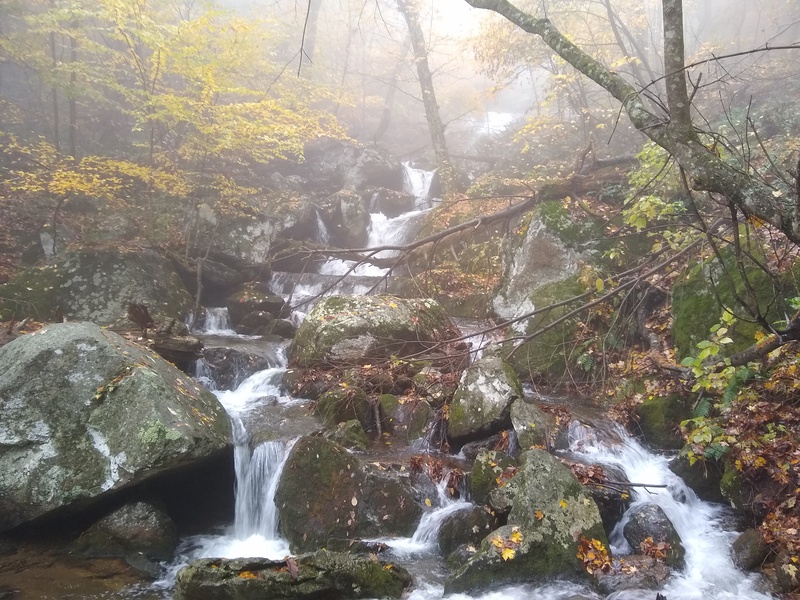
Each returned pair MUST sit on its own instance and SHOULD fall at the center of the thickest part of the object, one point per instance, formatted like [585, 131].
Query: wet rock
[704, 477]
[489, 466]
[136, 528]
[306, 577]
[343, 403]
[229, 367]
[749, 550]
[465, 527]
[7, 546]
[389, 202]
[325, 492]
[263, 323]
[660, 419]
[787, 572]
[470, 450]
[650, 521]
[181, 351]
[347, 218]
[86, 413]
[406, 420]
[335, 164]
[612, 502]
[349, 434]
[550, 513]
[97, 286]
[252, 299]
[533, 426]
[349, 330]
[482, 403]
[219, 280]
[633, 573]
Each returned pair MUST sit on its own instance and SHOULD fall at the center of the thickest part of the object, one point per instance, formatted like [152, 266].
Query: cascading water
[385, 231]
[710, 573]
[215, 322]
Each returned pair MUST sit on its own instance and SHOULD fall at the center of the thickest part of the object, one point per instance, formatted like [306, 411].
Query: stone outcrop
[650, 522]
[307, 577]
[86, 414]
[97, 286]
[351, 330]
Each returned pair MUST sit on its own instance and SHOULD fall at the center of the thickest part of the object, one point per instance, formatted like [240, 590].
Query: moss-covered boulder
[659, 419]
[407, 419]
[704, 476]
[650, 522]
[346, 330]
[347, 218]
[749, 550]
[705, 290]
[135, 528]
[548, 355]
[490, 467]
[481, 405]
[349, 434]
[467, 526]
[325, 492]
[550, 513]
[307, 577]
[87, 414]
[97, 286]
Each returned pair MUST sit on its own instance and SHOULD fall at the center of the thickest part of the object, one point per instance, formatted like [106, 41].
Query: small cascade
[702, 526]
[427, 531]
[257, 476]
[215, 322]
[417, 182]
[323, 236]
[300, 289]
[204, 374]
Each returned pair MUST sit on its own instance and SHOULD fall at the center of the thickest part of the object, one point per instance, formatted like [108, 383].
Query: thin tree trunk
[54, 92]
[73, 109]
[447, 175]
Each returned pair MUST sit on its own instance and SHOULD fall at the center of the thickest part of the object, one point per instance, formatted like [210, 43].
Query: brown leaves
[657, 551]
[593, 555]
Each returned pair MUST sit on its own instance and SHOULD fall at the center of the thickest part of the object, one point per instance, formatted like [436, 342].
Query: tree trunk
[447, 175]
[774, 203]
[73, 92]
[309, 42]
[54, 92]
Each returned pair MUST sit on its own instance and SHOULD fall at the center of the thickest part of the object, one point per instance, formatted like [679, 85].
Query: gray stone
[97, 286]
[633, 573]
[349, 434]
[347, 330]
[489, 466]
[86, 413]
[481, 405]
[650, 521]
[533, 426]
[306, 577]
[325, 492]
[468, 526]
[138, 528]
[749, 550]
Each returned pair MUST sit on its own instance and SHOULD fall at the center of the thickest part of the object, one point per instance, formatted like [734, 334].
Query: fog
[356, 56]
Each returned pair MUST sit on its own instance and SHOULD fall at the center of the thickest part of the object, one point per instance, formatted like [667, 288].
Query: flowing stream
[704, 528]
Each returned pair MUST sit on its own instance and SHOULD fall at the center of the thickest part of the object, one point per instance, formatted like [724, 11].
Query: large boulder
[335, 164]
[659, 420]
[327, 493]
[308, 577]
[97, 286]
[649, 524]
[87, 414]
[135, 528]
[346, 330]
[252, 298]
[550, 514]
[346, 219]
[533, 426]
[482, 403]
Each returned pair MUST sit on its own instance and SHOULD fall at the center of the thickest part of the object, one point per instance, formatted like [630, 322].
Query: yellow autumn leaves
[507, 548]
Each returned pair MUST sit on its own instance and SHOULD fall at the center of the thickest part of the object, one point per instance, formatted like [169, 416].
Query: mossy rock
[340, 404]
[550, 513]
[320, 575]
[733, 488]
[325, 492]
[253, 299]
[348, 330]
[489, 466]
[533, 426]
[349, 434]
[548, 355]
[660, 418]
[97, 286]
[702, 294]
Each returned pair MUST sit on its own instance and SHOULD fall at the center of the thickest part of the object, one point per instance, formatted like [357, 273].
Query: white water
[216, 322]
[384, 231]
[710, 573]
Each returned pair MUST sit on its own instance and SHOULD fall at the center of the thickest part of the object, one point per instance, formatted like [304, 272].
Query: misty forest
[421, 299]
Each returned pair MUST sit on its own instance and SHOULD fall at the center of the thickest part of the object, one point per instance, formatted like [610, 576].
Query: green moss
[660, 419]
[703, 293]
[548, 354]
[488, 466]
[732, 487]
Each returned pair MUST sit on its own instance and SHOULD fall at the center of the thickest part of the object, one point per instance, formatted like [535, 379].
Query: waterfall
[215, 322]
[417, 182]
[323, 236]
